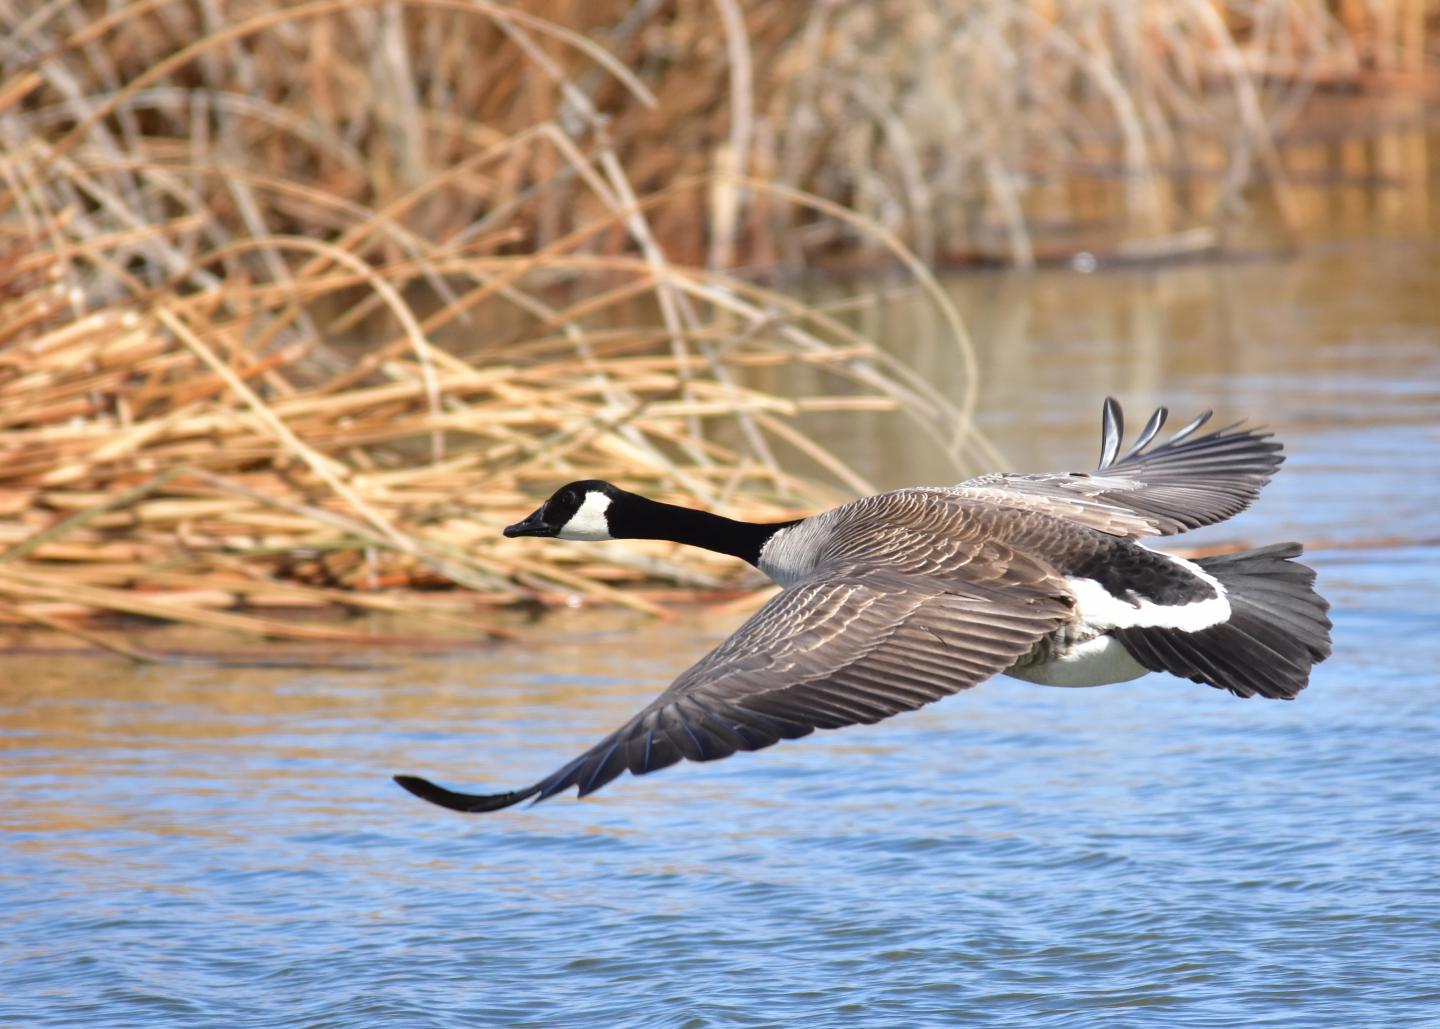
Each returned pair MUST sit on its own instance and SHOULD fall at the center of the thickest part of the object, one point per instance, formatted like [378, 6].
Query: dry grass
[535, 217]
[190, 425]
[154, 460]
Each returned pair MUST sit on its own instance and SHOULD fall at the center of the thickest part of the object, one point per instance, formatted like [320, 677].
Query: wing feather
[1184, 483]
[841, 648]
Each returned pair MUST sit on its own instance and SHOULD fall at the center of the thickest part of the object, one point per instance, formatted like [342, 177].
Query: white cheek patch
[1100, 611]
[589, 521]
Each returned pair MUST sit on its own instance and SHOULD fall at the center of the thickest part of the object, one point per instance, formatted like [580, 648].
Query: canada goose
[902, 598]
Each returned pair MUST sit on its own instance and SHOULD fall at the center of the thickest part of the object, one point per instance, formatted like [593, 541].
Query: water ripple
[207, 848]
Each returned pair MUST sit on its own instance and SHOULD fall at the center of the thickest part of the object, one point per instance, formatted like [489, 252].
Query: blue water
[212, 847]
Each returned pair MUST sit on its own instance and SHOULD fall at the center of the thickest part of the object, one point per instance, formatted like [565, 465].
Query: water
[212, 847]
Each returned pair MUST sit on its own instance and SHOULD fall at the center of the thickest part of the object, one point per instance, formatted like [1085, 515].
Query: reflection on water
[219, 847]
[1346, 336]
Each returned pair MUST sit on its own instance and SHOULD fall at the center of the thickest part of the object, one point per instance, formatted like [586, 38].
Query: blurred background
[301, 302]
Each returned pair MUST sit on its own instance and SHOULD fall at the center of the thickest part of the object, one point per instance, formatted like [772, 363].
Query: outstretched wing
[1184, 483]
[845, 646]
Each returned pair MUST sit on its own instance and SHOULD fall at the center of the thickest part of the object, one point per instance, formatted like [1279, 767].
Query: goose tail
[1277, 630]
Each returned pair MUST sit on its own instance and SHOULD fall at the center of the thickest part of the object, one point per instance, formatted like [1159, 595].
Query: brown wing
[1186, 482]
[848, 645]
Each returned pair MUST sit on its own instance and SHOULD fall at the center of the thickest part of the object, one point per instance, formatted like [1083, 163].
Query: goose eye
[568, 498]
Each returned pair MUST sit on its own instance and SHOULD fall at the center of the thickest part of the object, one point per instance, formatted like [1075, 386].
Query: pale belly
[1096, 662]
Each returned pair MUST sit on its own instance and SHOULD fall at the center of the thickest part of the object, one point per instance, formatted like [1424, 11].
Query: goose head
[592, 509]
[579, 511]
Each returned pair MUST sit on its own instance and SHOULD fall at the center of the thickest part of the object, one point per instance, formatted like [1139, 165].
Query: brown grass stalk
[300, 310]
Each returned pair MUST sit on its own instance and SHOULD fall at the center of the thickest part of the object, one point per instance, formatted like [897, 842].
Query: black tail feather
[1278, 628]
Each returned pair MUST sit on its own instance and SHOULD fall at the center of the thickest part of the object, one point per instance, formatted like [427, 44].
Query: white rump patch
[1096, 662]
[589, 521]
[1098, 610]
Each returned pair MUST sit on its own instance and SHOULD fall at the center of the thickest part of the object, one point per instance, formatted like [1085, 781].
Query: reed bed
[300, 303]
[179, 457]
[228, 388]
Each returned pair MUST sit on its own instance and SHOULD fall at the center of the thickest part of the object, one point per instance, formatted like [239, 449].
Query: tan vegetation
[299, 303]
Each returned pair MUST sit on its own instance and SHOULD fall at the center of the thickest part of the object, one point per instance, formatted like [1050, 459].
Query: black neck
[643, 519]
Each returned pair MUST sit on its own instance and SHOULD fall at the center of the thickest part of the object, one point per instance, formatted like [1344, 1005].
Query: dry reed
[248, 362]
[535, 217]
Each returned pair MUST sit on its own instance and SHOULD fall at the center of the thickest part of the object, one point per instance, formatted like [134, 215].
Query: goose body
[895, 600]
